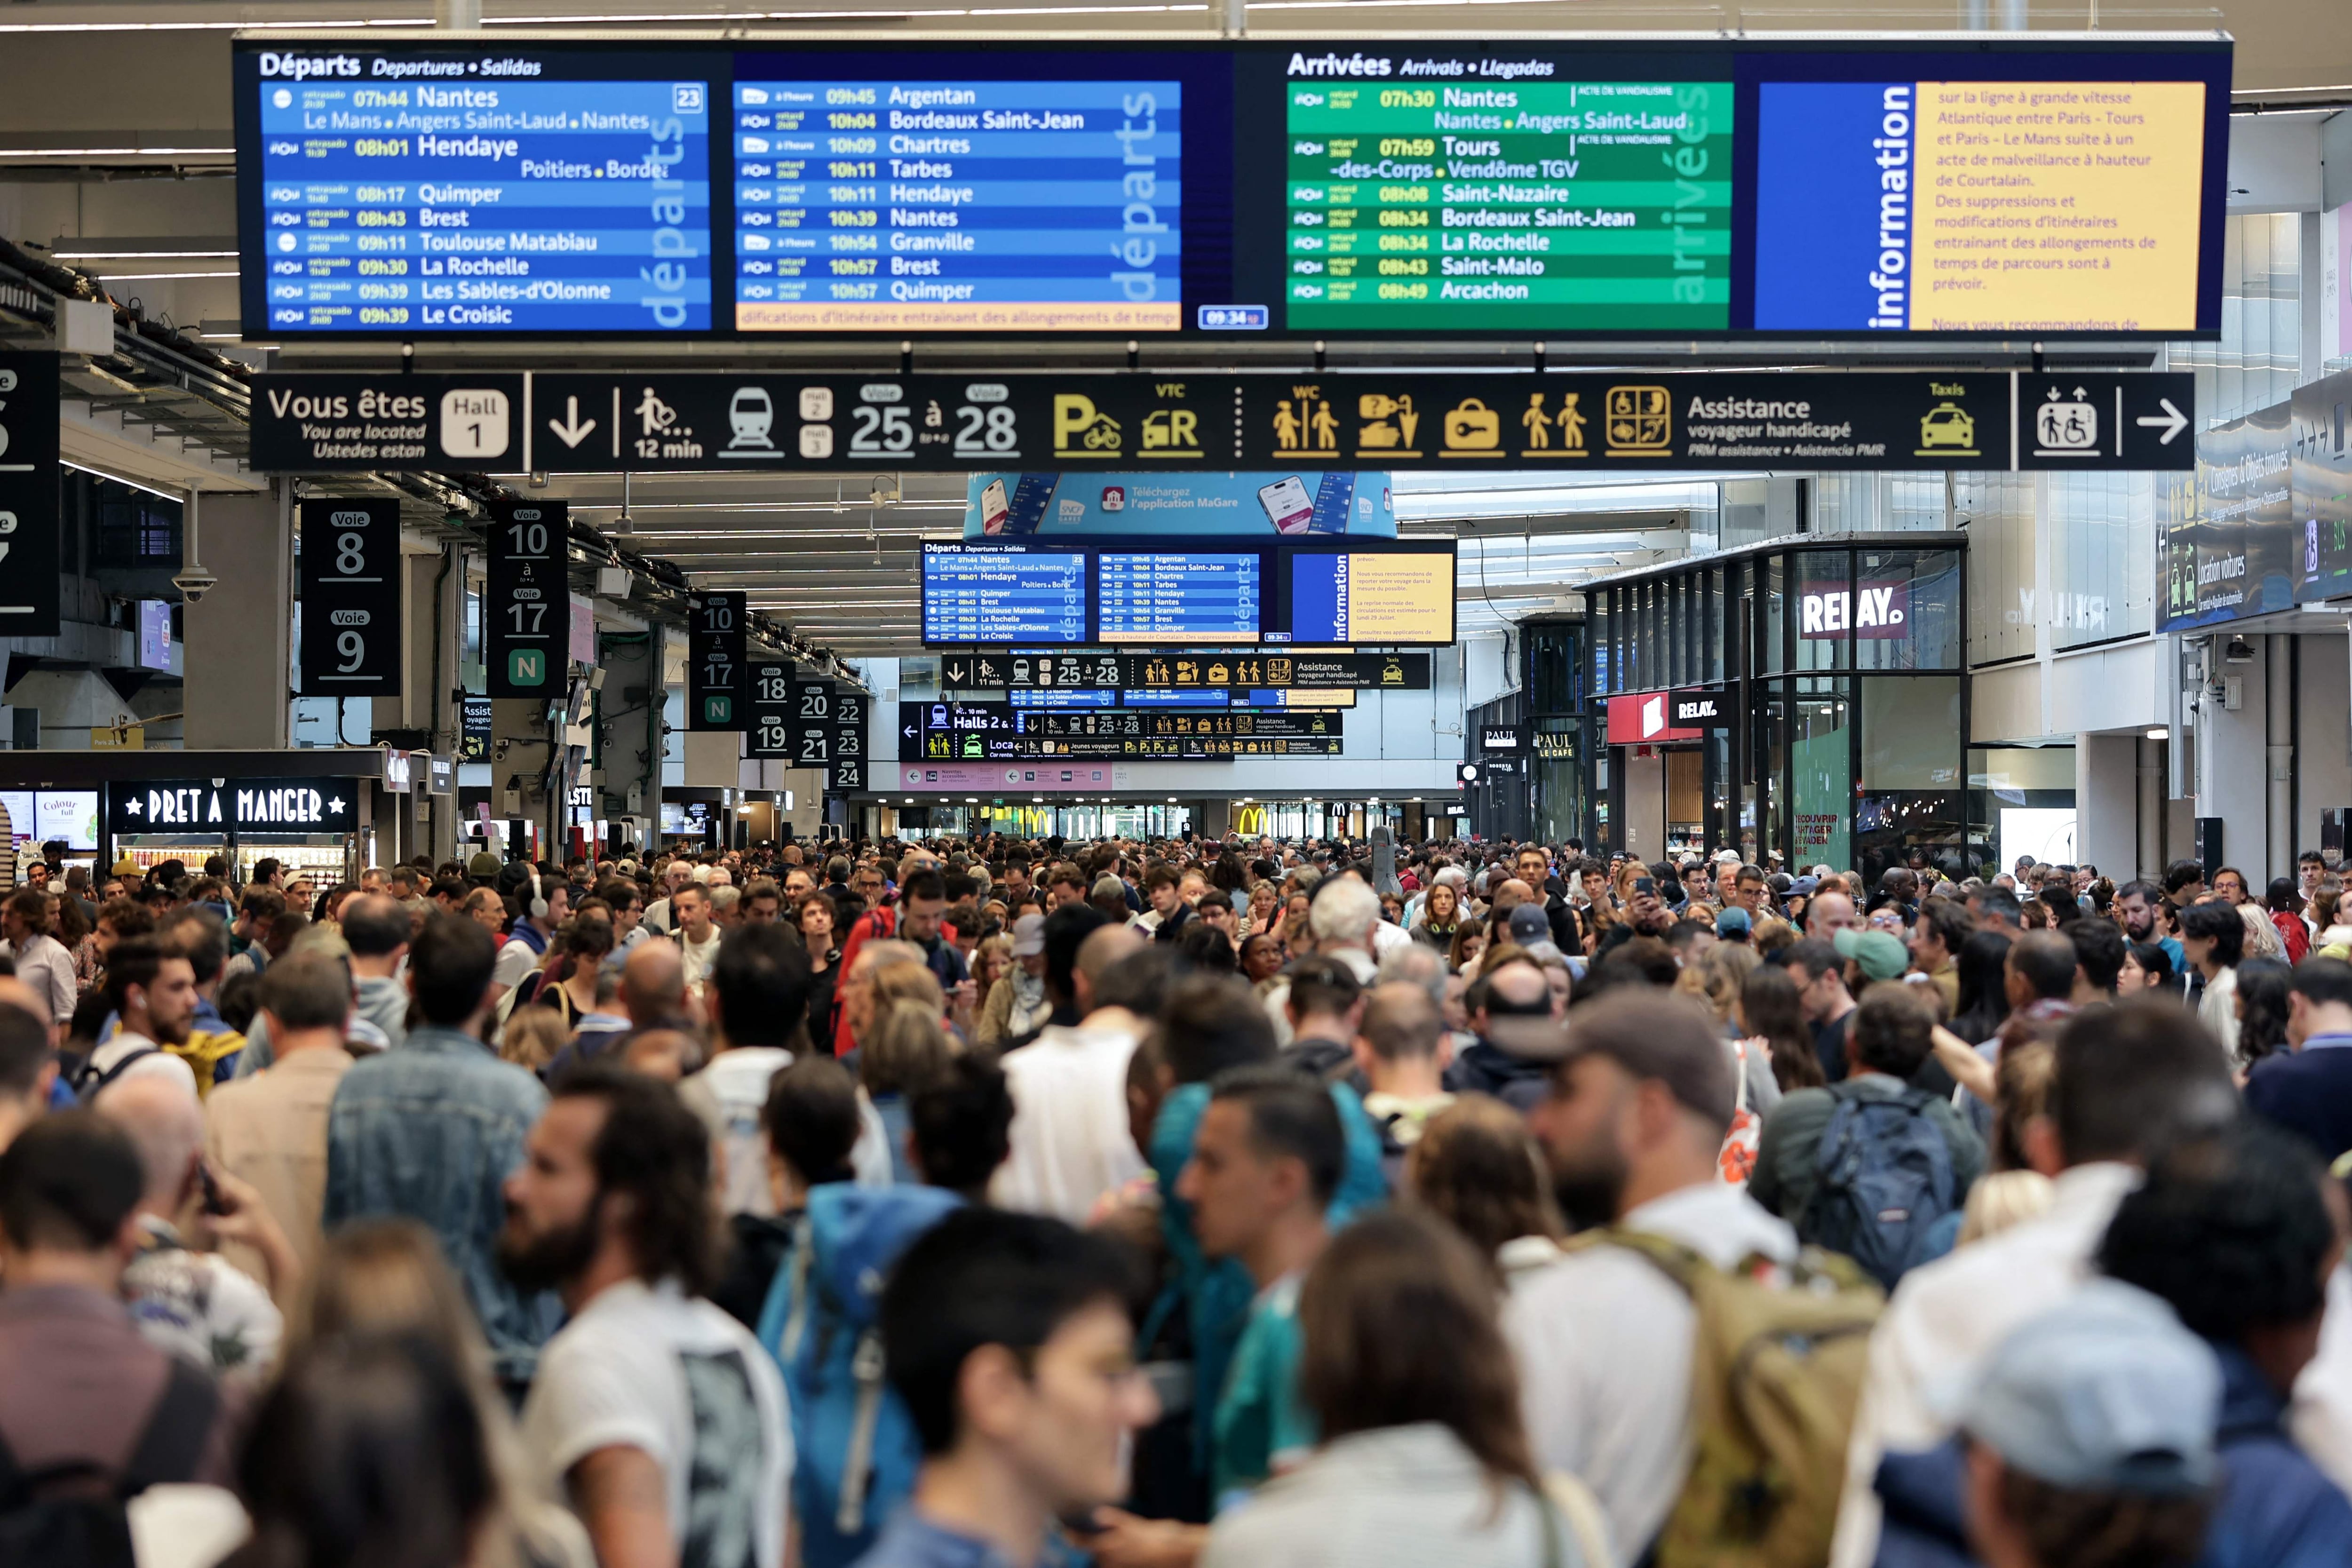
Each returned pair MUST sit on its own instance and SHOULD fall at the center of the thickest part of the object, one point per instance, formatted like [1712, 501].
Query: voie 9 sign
[1872, 610]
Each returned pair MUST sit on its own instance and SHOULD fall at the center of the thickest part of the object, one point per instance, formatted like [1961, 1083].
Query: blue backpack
[1884, 1182]
[855, 1445]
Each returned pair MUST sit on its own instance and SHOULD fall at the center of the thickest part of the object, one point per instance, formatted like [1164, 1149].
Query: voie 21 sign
[243, 806]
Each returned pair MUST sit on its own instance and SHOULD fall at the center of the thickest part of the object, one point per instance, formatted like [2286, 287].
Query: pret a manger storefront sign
[233, 805]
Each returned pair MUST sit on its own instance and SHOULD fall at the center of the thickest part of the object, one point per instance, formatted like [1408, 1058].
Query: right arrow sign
[2107, 420]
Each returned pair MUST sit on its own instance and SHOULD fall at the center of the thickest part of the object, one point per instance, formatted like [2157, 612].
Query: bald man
[196, 1304]
[1828, 914]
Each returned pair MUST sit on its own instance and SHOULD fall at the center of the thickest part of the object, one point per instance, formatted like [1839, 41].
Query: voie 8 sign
[350, 597]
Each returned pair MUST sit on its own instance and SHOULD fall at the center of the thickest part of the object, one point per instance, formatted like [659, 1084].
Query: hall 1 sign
[239, 805]
[31, 599]
[1704, 708]
[350, 596]
[715, 661]
[528, 617]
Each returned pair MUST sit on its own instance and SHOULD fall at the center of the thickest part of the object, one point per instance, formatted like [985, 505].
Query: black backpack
[73, 1514]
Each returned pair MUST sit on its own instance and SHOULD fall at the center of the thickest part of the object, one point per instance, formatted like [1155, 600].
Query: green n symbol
[527, 666]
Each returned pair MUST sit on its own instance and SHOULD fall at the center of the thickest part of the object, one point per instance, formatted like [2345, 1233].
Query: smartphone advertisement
[1293, 505]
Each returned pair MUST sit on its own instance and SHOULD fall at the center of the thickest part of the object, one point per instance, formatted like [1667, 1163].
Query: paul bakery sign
[233, 805]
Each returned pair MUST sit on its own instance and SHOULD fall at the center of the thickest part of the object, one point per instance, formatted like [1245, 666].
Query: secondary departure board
[441, 194]
[982, 593]
[1172, 598]
[1531, 205]
[923, 206]
[902, 189]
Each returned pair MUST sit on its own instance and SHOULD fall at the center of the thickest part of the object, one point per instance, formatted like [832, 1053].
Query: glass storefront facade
[1842, 658]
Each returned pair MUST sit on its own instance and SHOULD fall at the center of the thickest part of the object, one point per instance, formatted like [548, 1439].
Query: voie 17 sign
[233, 805]
[528, 616]
[715, 662]
[350, 597]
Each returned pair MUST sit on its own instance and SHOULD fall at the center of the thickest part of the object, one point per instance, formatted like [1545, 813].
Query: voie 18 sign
[233, 805]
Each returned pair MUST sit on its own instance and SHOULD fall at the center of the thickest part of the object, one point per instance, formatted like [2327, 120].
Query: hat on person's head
[126, 866]
[1880, 955]
[1727, 858]
[1801, 886]
[1654, 1034]
[1733, 920]
[2106, 1392]
[483, 867]
[1028, 936]
[1528, 924]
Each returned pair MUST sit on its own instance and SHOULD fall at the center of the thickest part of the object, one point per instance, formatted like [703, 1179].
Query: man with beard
[1631, 1130]
[152, 991]
[656, 1415]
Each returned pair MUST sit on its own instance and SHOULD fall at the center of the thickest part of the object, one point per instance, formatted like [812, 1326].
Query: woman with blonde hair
[905, 1049]
[387, 1276]
[1717, 976]
[531, 1038]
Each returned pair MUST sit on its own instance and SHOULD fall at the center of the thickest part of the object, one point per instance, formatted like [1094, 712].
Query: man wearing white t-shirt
[698, 933]
[657, 1417]
[152, 993]
[759, 995]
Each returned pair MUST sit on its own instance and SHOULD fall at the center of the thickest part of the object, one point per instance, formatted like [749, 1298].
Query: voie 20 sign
[1870, 610]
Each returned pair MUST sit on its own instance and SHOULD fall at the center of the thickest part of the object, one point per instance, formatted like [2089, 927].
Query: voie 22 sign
[1872, 610]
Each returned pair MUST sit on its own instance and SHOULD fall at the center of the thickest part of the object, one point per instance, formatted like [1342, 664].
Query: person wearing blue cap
[2090, 1438]
[1733, 925]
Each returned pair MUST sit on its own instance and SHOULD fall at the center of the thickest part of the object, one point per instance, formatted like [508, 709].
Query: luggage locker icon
[1472, 427]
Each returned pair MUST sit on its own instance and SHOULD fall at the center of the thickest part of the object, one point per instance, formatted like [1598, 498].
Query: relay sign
[415, 195]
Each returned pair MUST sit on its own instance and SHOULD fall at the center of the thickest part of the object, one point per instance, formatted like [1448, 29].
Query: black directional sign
[473, 739]
[715, 662]
[30, 590]
[527, 620]
[231, 805]
[767, 723]
[357, 420]
[350, 597]
[849, 712]
[812, 723]
[1190, 669]
[1580, 422]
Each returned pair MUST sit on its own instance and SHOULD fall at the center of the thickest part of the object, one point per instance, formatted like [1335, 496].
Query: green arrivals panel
[1528, 206]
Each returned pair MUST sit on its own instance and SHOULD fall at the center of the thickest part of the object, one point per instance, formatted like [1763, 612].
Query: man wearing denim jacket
[430, 1132]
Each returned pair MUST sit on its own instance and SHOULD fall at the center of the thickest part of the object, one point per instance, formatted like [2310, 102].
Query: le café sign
[231, 805]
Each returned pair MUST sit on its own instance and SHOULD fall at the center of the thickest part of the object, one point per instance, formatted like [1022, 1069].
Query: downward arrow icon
[2171, 421]
[571, 430]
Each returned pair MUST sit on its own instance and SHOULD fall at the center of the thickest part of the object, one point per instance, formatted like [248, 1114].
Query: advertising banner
[1311, 501]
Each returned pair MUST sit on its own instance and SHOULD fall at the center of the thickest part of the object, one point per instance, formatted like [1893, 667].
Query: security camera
[194, 583]
[2240, 651]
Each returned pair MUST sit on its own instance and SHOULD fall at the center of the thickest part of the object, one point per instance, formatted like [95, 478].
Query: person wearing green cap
[1877, 955]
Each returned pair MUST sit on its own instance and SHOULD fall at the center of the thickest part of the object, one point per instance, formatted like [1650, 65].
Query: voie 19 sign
[237, 806]
[1873, 610]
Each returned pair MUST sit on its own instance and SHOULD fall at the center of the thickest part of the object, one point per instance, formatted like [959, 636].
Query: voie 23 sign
[241, 805]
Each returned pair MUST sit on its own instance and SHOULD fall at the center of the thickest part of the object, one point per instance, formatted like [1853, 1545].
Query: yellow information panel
[2051, 206]
[1400, 598]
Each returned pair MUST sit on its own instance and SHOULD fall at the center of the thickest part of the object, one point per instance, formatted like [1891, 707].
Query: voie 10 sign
[1700, 187]
[350, 597]
[528, 616]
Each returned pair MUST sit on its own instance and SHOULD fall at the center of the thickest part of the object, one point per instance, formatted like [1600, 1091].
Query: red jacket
[875, 925]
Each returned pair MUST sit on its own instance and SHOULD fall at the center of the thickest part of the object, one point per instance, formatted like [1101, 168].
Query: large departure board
[896, 188]
[923, 206]
[1210, 593]
[1530, 205]
[434, 192]
[986, 594]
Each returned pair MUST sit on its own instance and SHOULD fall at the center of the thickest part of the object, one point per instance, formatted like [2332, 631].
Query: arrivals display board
[1849, 186]
[1208, 593]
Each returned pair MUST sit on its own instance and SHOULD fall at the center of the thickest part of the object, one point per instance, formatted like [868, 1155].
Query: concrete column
[2154, 808]
[629, 725]
[519, 760]
[2106, 785]
[238, 654]
[2278, 697]
[2233, 764]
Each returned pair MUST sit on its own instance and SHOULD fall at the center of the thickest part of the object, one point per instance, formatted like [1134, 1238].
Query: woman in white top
[1423, 1459]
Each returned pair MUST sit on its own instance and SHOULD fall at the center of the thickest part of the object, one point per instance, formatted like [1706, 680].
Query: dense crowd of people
[991, 1204]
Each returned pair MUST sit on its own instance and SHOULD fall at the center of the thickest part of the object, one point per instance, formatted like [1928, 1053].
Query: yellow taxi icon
[1947, 424]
